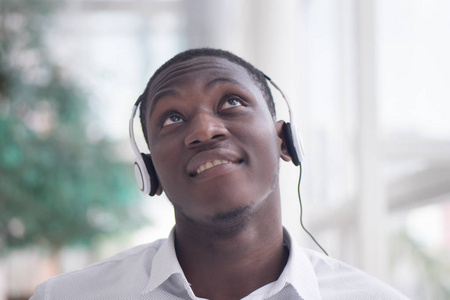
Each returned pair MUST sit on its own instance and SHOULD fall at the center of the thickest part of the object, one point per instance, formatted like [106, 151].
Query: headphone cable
[301, 211]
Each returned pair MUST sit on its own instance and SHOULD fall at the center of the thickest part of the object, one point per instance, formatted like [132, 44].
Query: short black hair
[258, 77]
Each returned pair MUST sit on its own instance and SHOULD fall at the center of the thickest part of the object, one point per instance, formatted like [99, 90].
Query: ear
[159, 190]
[154, 177]
[279, 125]
[155, 185]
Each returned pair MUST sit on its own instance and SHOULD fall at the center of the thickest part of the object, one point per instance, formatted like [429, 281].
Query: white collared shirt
[152, 271]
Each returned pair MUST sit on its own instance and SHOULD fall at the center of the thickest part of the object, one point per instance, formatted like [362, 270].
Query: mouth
[219, 160]
[212, 164]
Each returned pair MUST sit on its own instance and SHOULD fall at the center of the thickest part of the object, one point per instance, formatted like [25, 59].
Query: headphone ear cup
[154, 182]
[287, 132]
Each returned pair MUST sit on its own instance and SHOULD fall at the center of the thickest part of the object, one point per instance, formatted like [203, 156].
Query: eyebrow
[159, 96]
[218, 80]
[175, 93]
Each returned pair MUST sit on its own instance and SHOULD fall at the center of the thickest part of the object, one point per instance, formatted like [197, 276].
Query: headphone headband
[131, 129]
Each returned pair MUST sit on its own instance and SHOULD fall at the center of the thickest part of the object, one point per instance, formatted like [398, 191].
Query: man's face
[212, 139]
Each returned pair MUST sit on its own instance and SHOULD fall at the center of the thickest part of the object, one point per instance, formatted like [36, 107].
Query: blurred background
[368, 80]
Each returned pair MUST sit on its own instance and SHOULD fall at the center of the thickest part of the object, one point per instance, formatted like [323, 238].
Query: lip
[206, 161]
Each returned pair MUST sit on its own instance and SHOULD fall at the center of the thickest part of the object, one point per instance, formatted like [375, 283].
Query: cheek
[164, 159]
[169, 176]
[264, 140]
[263, 147]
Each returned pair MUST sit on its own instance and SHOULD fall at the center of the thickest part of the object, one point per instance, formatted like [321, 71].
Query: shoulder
[338, 280]
[121, 271]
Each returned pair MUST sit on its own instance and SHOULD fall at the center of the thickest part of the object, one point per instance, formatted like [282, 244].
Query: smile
[211, 164]
[219, 160]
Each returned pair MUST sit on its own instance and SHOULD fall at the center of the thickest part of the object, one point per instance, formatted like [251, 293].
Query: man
[209, 121]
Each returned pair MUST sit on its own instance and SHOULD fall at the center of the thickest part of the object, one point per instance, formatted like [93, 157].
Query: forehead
[201, 69]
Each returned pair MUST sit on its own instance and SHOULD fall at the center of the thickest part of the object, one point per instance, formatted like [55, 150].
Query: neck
[230, 265]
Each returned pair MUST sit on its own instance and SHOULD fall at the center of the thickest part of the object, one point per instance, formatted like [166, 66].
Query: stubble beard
[224, 225]
[231, 223]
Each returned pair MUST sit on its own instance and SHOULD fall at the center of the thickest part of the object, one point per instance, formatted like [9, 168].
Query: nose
[204, 129]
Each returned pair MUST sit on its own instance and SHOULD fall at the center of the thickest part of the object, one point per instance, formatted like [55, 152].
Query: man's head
[254, 73]
[213, 140]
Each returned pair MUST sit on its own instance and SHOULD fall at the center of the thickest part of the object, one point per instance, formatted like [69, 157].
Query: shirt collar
[165, 264]
[298, 272]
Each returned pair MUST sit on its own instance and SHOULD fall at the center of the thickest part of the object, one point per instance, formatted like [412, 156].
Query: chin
[231, 223]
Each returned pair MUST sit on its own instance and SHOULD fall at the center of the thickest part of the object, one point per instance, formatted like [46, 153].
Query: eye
[172, 119]
[230, 103]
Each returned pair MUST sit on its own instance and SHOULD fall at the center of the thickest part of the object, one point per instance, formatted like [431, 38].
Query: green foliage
[57, 185]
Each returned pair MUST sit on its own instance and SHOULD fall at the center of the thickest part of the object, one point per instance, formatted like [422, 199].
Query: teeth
[211, 164]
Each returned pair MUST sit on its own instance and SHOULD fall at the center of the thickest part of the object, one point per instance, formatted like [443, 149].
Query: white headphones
[144, 171]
